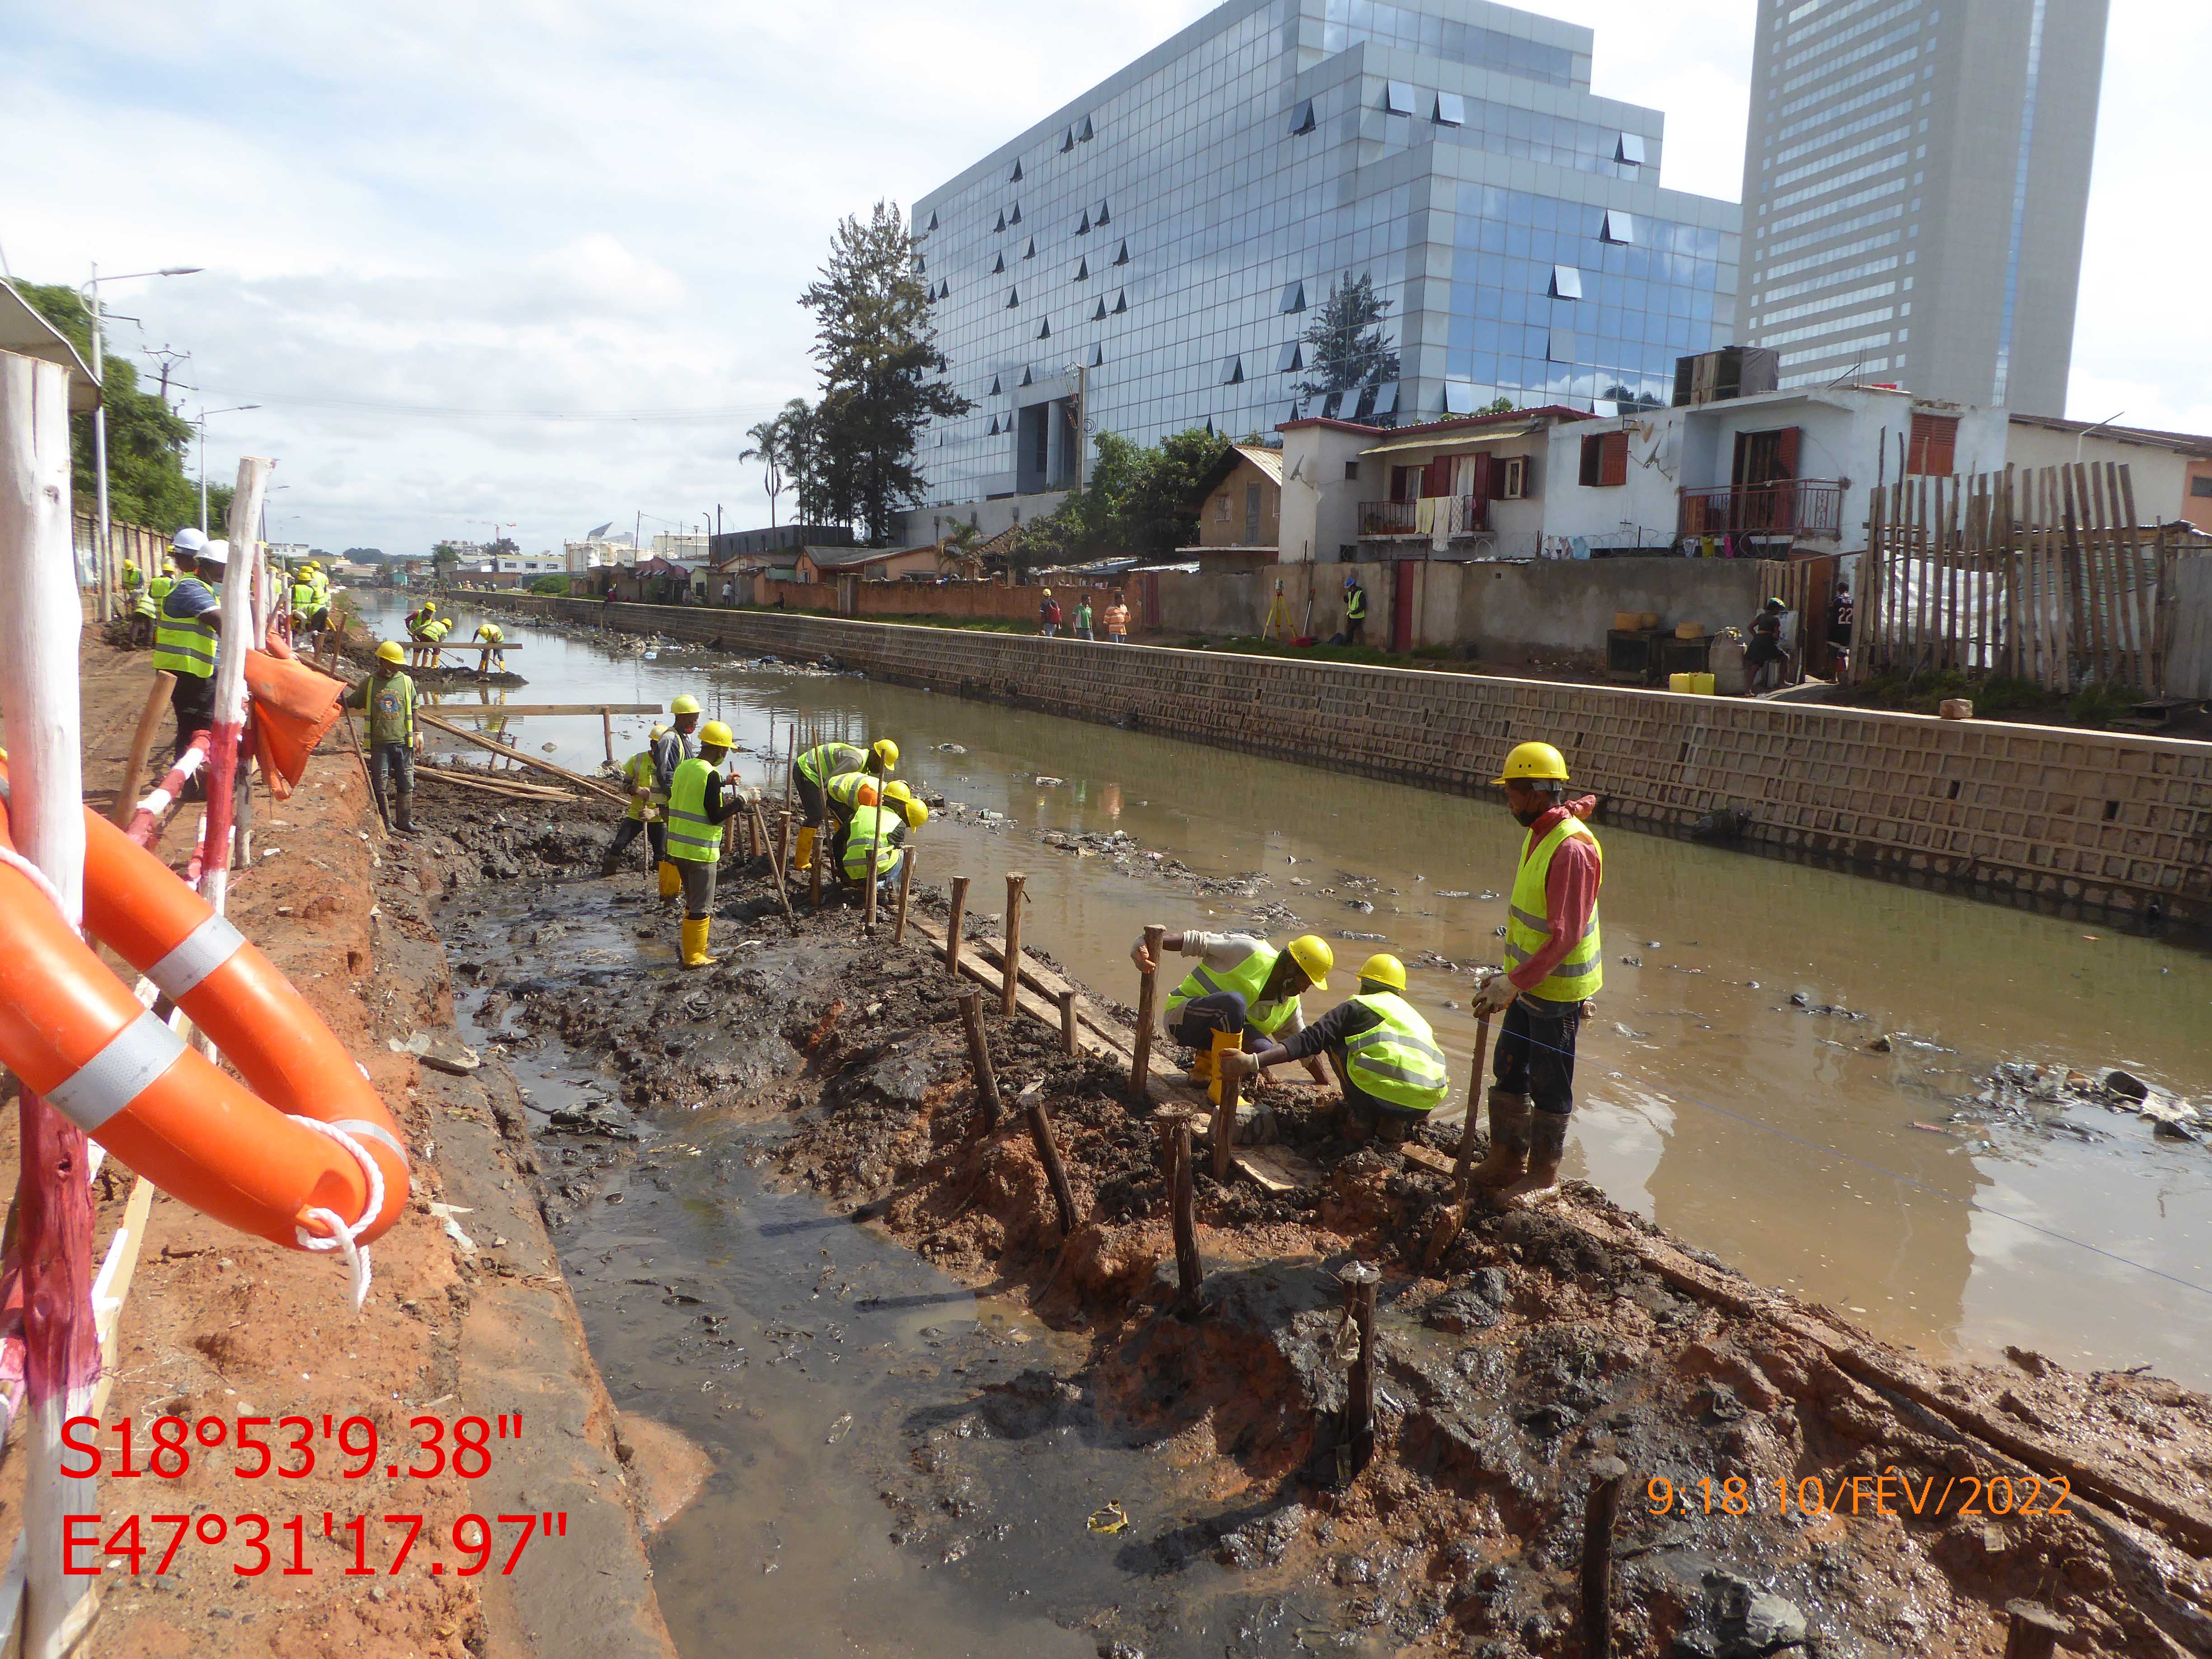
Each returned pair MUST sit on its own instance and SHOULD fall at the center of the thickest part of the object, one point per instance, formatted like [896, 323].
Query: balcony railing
[1788, 507]
[1455, 515]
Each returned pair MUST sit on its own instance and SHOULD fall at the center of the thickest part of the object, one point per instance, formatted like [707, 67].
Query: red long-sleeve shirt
[1569, 892]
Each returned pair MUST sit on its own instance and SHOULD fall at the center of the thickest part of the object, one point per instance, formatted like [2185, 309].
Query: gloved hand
[1495, 995]
[1142, 957]
[1236, 1063]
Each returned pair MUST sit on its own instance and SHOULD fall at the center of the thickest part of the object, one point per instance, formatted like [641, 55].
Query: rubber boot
[1224, 1041]
[804, 858]
[1547, 1144]
[383, 807]
[609, 861]
[403, 805]
[1201, 1073]
[694, 944]
[1509, 1141]
[672, 880]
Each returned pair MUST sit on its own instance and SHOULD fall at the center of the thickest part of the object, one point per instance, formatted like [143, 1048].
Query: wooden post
[868, 899]
[1068, 1043]
[2033, 1630]
[1360, 1282]
[783, 853]
[1140, 1068]
[1055, 1172]
[775, 870]
[126, 791]
[1224, 1116]
[952, 931]
[39, 640]
[979, 1057]
[1009, 991]
[906, 885]
[1182, 1196]
[606, 725]
[230, 680]
[821, 856]
[1599, 1509]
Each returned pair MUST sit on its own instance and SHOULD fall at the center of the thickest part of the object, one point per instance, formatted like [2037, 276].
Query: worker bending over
[1383, 1053]
[389, 697]
[1243, 990]
[185, 635]
[147, 612]
[675, 745]
[133, 580]
[699, 799]
[648, 809]
[488, 633]
[1553, 965]
[874, 843]
[418, 623]
[811, 773]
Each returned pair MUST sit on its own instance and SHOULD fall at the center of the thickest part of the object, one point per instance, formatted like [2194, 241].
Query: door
[1404, 574]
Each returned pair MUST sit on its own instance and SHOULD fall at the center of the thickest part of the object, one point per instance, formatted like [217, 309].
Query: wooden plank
[490, 710]
[1276, 1169]
[606, 792]
[490, 786]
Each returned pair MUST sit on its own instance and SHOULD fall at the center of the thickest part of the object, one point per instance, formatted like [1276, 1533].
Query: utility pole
[90, 294]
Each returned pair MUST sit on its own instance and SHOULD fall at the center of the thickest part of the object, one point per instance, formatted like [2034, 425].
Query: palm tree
[958, 549]
[767, 449]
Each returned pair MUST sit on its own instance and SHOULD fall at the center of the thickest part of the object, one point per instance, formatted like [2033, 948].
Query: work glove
[1495, 994]
[1142, 957]
[1236, 1063]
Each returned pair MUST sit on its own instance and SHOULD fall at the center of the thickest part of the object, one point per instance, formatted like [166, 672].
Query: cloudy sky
[537, 263]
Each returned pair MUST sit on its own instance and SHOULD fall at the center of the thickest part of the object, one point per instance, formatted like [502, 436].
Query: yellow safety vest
[639, 768]
[150, 595]
[872, 839]
[1248, 977]
[828, 759]
[1397, 1062]
[691, 834]
[488, 632]
[849, 792]
[181, 646]
[1581, 972]
[390, 708]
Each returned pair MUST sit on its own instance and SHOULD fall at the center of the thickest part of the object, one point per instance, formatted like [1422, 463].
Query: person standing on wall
[1554, 966]
[1840, 617]
[1117, 621]
[1355, 609]
[1083, 617]
[1047, 614]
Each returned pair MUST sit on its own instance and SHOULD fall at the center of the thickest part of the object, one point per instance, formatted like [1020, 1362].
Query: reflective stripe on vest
[844, 792]
[184, 646]
[1397, 1062]
[1247, 978]
[1355, 607]
[827, 760]
[1582, 970]
[871, 833]
[638, 770]
[691, 834]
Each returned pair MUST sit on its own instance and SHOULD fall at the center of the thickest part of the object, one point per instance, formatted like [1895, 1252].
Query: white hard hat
[216, 552]
[189, 540]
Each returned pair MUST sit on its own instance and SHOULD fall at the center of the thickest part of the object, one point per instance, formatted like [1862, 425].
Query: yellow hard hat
[659, 733]
[1047, 592]
[916, 813]
[1384, 969]
[390, 651]
[1311, 952]
[715, 735]
[886, 751]
[429, 604]
[897, 791]
[686, 704]
[1534, 760]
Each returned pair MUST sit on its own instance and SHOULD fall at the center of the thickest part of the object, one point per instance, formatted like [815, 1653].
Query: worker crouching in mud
[699, 799]
[873, 844]
[1383, 1053]
[1554, 963]
[811, 775]
[1243, 990]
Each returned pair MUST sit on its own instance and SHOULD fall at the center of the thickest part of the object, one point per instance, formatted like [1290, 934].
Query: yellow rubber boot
[694, 944]
[1223, 1042]
[804, 858]
[672, 880]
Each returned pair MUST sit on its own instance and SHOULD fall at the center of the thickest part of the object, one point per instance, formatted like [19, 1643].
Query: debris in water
[1045, 782]
[950, 748]
[1110, 1519]
[843, 1425]
[2127, 1084]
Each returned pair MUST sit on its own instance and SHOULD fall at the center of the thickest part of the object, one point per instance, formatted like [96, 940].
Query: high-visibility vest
[303, 598]
[691, 834]
[182, 646]
[1528, 929]
[1248, 977]
[1355, 605]
[489, 633]
[133, 578]
[151, 595]
[638, 768]
[390, 708]
[849, 792]
[827, 760]
[872, 840]
[1397, 1062]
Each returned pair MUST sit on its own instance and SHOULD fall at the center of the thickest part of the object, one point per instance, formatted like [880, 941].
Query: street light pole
[91, 293]
[236, 409]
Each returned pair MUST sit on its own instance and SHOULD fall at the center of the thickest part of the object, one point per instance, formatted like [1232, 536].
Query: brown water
[1750, 1128]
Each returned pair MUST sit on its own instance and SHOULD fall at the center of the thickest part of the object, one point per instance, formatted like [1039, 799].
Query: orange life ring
[241, 1153]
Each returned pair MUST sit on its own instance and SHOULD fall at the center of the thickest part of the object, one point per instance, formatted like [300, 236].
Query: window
[1068, 141]
[1102, 218]
[1013, 298]
[920, 264]
[1351, 473]
[1098, 314]
[1302, 119]
[2200, 488]
[1029, 252]
[997, 265]
[1766, 457]
[1234, 376]
[1083, 134]
[1083, 271]
[1566, 283]
[1933, 445]
[933, 221]
[1123, 257]
[1385, 401]
[1015, 218]
[1291, 358]
[1605, 460]
[1094, 356]
[1451, 110]
[1294, 297]
[1398, 98]
[1121, 301]
[994, 390]
[1084, 230]
[1001, 225]
[1025, 379]
[1561, 346]
[1512, 478]
[1044, 329]
[1630, 150]
[1459, 398]
[1619, 227]
[1221, 507]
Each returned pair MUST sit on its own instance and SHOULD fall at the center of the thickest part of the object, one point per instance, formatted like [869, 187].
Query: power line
[454, 411]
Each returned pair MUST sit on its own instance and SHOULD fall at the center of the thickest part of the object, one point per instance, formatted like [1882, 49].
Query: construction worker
[390, 697]
[184, 636]
[847, 794]
[811, 773]
[488, 633]
[647, 809]
[876, 839]
[675, 745]
[1355, 609]
[133, 582]
[147, 606]
[302, 604]
[418, 620]
[699, 799]
[1243, 990]
[1554, 963]
[1383, 1053]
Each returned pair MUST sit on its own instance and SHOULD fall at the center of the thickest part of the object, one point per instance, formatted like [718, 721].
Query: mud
[1775, 1500]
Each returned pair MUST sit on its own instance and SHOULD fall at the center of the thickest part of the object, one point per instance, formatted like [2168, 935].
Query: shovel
[1447, 1230]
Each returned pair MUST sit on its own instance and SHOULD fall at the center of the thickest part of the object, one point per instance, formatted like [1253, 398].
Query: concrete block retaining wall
[2097, 818]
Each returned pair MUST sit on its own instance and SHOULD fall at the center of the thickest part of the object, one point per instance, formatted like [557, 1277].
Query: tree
[802, 463]
[767, 450]
[444, 558]
[1136, 500]
[959, 544]
[147, 440]
[881, 369]
[504, 548]
[1500, 405]
[1346, 346]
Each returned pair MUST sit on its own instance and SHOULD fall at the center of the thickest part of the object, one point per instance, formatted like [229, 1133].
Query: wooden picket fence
[2041, 574]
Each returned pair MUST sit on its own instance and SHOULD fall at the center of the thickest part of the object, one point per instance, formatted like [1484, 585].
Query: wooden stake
[1225, 1114]
[126, 791]
[952, 932]
[868, 899]
[783, 854]
[776, 867]
[821, 856]
[1048, 1149]
[1175, 1153]
[1140, 1067]
[606, 727]
[906, 885]
[1068, 1043]
[979, 1058]
[1360, 1282]
[1599, 1510]
[1009, 991]
[590, 785]
[230, 683]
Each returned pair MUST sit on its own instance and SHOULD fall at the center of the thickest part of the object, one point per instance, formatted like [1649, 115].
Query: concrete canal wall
[2097, 818]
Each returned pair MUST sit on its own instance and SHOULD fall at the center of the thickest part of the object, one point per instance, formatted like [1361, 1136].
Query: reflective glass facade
[1161, 246]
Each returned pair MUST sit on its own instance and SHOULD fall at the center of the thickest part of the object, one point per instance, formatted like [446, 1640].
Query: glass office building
[1163, 248]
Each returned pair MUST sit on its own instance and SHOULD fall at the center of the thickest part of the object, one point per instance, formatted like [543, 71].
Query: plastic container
[1680, 681]
[1704, 687]
[1647, 619]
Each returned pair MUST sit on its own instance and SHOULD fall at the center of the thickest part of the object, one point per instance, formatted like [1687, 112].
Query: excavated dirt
[1791, 1485]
